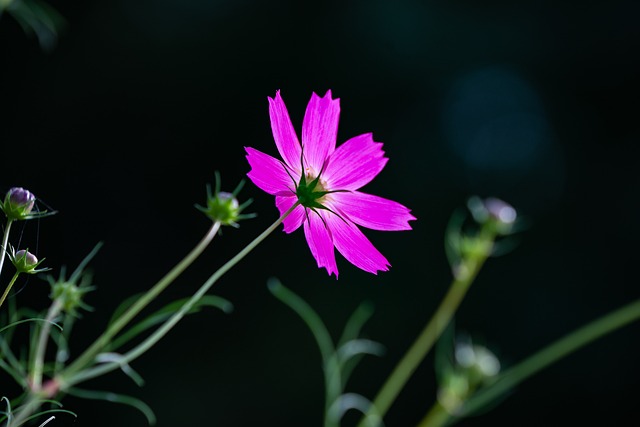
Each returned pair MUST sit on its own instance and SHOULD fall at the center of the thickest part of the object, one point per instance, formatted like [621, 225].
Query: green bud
[473, 365]
[68, 294]
[223, 207]
[494, 213]
[476, 362]
[25, 262]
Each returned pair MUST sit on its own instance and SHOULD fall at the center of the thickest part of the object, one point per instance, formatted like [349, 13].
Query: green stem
[26, 410]
[89, 354]
[436, 417]
[5, 242]
[38, 362]
[70, 378]
[553, 352]
[9, 286]
[468, 271]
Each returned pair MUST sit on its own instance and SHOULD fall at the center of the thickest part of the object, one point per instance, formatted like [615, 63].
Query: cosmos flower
[323, 182]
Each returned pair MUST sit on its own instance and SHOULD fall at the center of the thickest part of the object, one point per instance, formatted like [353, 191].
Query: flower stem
[552, 353]
[26, 410]
[5, 242]
[67, 379]
[38, 361]
[464, 277]
[9, 286]
[89, 354]
[436, 417]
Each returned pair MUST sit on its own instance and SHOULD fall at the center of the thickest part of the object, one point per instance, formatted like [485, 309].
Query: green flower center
[310, 191]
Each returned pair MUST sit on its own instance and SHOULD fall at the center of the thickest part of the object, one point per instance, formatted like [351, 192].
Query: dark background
[121, 125]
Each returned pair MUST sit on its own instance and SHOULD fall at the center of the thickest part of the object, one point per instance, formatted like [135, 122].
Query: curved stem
[9, 286]
[89, 354]
[553, 352]
[467, 273]
[5, 242]
[67, 379]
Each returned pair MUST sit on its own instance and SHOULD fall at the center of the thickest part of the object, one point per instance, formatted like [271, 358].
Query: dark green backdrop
[122, 124]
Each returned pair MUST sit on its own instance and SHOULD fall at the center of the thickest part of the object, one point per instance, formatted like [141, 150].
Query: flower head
[496, 213]
[18, 205]
[224, 207]
[321, 181]
[25, 262]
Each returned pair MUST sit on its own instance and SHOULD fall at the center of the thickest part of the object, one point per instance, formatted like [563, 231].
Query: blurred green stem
[41, 349]
[68, 378]
[9, 286]
[464, 275]
[89, 354]
[5, 242]
[437, 416]
[545, 357]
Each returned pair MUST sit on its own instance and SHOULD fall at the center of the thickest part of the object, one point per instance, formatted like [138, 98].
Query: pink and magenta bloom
[323, 181]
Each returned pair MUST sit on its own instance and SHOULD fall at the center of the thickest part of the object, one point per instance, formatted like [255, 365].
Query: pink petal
[268, 173]
[355, 163]
[355, 247]
[319, 129]
[320, 243]
[295, 218]
[283, 132]
[372, 211]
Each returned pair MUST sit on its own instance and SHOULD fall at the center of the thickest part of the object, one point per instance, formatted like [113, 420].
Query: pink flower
[324, 181]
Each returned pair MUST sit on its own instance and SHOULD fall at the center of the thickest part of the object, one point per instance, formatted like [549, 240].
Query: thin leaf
[356, 322]
[49, 411]
[307, 314]
[8, 413]
[124, 366]
[116, 398]
[357, 347]
[358, 402]
[79, 269]
[30, 320]
[350, 354]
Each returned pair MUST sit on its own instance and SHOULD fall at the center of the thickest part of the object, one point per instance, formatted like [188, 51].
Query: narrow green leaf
[115, 398]
[30, 320]
[310, 317]
[356, 322]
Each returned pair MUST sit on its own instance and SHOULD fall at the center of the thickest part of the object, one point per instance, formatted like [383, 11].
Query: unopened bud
[68, 294]
[223, 207]
[25, 262]
[494, 212]
[18, 203]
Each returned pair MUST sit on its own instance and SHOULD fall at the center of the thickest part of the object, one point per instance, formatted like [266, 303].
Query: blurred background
[120, 121]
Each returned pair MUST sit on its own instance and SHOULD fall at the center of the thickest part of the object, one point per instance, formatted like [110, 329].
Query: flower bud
[224, 207]
[25, 262]
[68, 294]
[473, 365]
[18, 203]
[493, 212]
[477, 362]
